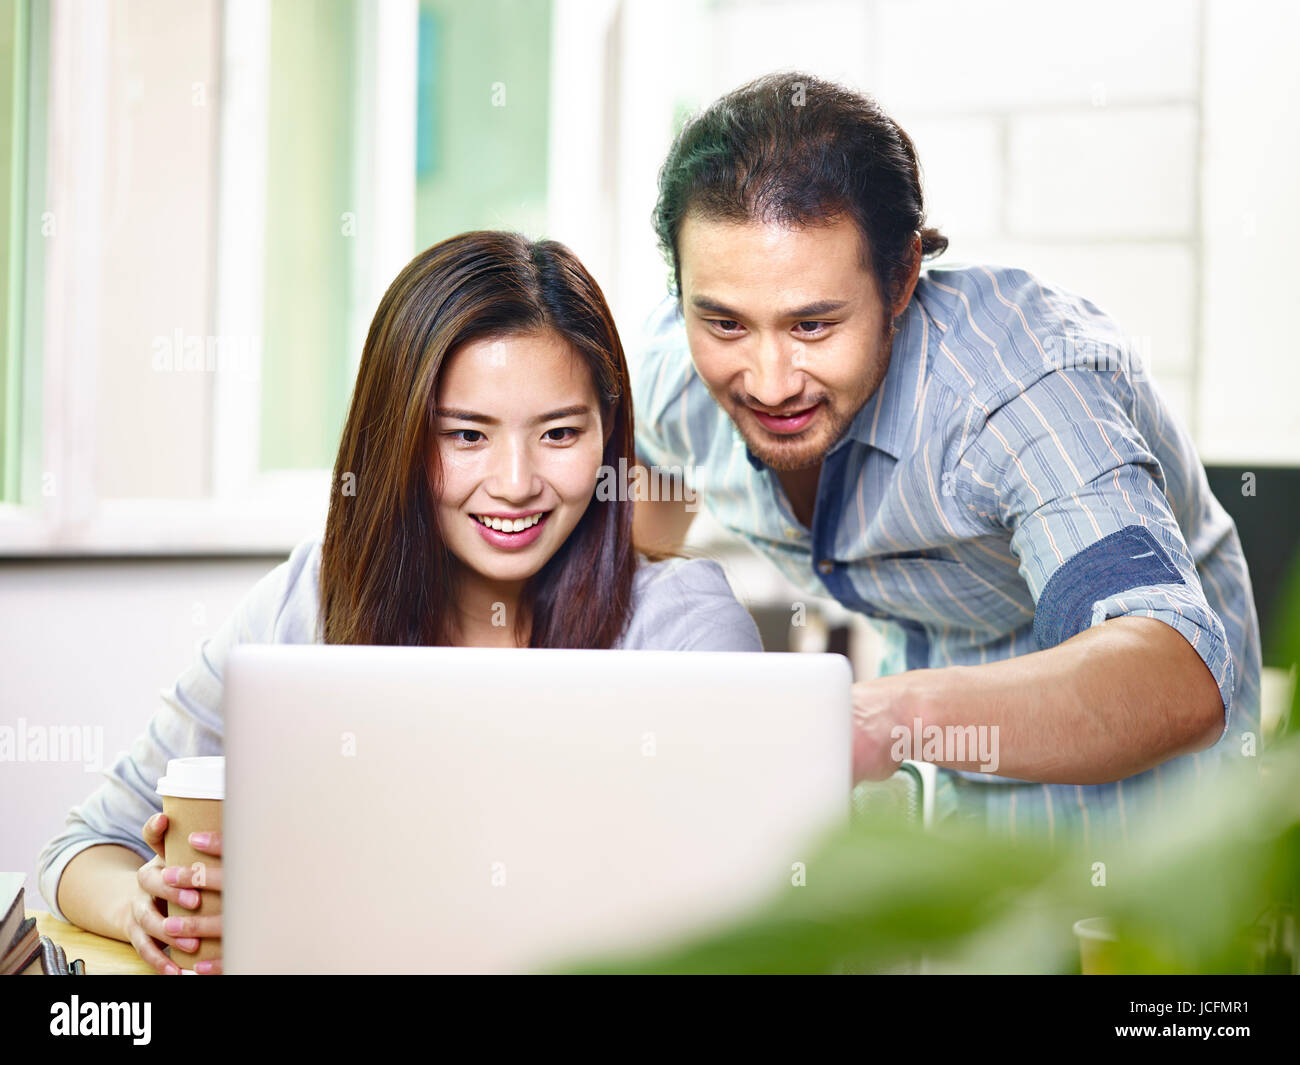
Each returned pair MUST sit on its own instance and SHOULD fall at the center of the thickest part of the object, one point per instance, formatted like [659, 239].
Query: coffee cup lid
[194, 778]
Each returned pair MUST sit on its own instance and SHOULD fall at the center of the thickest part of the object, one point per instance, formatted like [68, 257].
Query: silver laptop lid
[473, 810]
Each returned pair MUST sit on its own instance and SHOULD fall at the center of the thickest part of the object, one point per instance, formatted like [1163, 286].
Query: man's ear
[909, 286]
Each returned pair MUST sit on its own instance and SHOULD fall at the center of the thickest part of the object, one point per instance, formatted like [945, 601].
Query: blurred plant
[1288, 646]
[1211, 886]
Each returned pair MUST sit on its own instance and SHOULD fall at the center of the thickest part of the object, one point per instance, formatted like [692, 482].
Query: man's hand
[877, 708]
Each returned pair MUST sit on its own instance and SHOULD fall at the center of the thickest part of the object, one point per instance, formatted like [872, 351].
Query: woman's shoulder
[687, 604]
[282, 606]
[681, 573]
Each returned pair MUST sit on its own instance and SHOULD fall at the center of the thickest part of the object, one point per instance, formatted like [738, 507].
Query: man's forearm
[1112, 701]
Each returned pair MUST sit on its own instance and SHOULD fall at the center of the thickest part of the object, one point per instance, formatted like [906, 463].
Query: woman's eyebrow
[576, 411]
[464, 415]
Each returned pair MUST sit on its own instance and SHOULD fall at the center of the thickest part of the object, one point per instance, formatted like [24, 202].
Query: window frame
[249, 511]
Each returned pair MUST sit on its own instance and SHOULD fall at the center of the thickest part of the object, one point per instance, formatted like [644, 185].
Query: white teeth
[511, 525]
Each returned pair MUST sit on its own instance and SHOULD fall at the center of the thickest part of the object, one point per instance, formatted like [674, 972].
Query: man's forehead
[725, 261]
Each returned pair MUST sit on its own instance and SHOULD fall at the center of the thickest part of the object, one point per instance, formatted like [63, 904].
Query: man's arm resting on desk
[1110, 702]
[97, 888]
[660, 524]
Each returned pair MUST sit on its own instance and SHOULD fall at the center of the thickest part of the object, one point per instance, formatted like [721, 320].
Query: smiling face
[787, 328]
[519, 438]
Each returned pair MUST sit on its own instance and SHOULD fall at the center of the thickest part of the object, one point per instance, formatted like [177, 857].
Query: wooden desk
[103, 956]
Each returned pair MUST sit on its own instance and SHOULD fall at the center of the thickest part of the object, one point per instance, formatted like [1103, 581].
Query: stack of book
[26, 952]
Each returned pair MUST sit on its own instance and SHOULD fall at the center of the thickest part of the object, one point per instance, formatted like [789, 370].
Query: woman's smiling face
[520, 441]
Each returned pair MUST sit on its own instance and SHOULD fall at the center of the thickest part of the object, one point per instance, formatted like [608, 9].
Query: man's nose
[774, 377]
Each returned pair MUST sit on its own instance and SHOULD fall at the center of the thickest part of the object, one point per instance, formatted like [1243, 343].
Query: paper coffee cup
[192, 791]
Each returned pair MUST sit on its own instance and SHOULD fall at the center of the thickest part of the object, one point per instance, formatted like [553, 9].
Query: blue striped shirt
[1015, 479]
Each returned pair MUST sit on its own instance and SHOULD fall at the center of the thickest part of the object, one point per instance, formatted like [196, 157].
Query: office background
[234, 184]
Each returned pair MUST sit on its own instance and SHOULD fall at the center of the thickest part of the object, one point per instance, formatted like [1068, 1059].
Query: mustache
[788, 408]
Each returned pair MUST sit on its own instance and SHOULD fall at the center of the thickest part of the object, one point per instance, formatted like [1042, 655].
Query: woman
[492, 398]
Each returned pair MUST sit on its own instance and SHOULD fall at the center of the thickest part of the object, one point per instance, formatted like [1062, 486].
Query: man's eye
[563, 429]
[814, 327]
[725, 325]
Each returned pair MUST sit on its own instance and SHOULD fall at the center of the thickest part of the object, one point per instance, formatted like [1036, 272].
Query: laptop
[473, 810]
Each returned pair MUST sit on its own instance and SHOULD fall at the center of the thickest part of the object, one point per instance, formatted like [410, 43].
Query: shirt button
[790, 532]
[826, 565]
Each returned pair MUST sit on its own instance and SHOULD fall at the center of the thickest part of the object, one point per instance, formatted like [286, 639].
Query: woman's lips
[511, 541]
[786, 425]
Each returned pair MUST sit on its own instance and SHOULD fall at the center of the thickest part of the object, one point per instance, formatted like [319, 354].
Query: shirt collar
[887, 421]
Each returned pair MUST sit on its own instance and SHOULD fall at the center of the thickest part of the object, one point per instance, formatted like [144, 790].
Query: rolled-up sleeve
[1064, 467]
[188, 723]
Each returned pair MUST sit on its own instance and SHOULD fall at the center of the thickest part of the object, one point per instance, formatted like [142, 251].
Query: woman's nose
[513, 473]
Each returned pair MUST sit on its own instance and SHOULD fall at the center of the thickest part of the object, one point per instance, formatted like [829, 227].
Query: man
[970, 456]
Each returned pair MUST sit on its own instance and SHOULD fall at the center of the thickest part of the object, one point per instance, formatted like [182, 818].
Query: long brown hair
[386, 575]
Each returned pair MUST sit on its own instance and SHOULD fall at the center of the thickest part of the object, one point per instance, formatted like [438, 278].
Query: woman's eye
[568, 430]
[466, 436]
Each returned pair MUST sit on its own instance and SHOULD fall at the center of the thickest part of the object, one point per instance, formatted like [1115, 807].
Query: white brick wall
[1249, 388]
[1106, 172]
[829, 37]
[958, 55]
[962, 172]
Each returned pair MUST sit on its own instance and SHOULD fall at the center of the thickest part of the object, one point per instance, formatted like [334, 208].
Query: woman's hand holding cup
[189, 881]
[146, 916]
[189, 874]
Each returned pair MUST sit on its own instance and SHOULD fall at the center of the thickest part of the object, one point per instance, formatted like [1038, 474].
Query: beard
[795, 452]
[803, 450]
[808, 448]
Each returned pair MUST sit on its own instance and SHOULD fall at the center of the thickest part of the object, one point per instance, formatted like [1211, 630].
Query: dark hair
[797, 150]
[387, 576]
